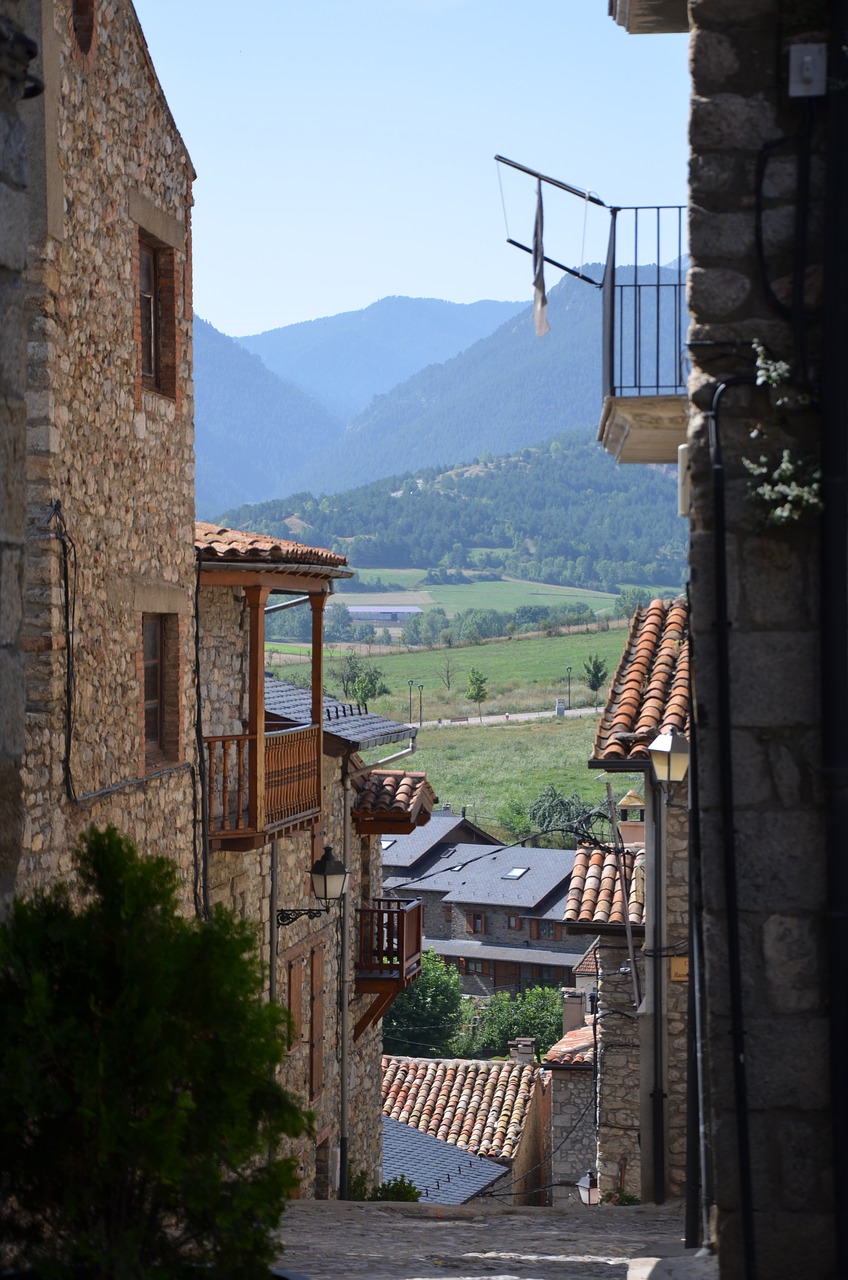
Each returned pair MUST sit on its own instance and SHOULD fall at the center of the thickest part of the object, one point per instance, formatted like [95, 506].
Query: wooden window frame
[471, 917]
[514, 923]
[156, 316]
[160, 686]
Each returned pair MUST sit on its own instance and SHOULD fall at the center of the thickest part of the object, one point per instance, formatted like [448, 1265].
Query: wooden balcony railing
[389, 944]
[237, 808]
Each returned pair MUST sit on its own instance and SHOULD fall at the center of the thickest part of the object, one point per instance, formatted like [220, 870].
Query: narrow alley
[482, 1241]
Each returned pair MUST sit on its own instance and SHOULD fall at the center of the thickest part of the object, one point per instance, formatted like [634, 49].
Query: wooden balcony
[388, 957]
[257, 786]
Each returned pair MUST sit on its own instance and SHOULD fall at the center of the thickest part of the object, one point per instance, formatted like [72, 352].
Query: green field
[506, 596]
[486, 767]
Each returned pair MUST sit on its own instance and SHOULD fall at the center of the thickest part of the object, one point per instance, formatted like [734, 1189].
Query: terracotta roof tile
[588, 966]
[575, 1049]
[595, 899]
[650, 690]
[476, 1106]
[220, 545]
[392, 793]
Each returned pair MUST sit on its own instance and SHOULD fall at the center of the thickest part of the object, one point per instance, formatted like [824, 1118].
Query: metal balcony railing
[644, 303]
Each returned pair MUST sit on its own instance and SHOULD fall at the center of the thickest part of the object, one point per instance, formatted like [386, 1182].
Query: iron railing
[644, 303]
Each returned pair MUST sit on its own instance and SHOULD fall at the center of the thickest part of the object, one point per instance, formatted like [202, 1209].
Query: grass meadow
[506, 596]
[488, 767]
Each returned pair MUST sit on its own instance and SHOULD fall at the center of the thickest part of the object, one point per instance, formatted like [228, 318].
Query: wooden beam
[316, 604]
[375, 1010]
[256, 600]
[277, 580]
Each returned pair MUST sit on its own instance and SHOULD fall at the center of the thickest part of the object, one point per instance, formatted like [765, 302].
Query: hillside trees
[425, 1018]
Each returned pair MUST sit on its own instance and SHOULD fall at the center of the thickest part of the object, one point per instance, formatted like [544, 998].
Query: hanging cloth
[540, 301]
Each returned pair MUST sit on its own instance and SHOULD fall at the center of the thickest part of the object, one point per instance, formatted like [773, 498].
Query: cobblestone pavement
[329, 1240]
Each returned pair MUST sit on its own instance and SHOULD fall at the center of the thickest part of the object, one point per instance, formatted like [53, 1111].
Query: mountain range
[490, 386]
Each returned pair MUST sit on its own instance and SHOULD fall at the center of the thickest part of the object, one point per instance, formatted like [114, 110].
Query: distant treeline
[562, 512]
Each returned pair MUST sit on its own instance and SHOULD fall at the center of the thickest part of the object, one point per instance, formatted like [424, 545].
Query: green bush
[138, 1092]
[396, 1189]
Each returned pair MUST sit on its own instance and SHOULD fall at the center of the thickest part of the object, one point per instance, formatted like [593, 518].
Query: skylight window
[515, 873]
[386, 843]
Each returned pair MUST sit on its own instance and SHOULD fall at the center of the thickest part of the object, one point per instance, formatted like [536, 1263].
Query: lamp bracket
[285, 916]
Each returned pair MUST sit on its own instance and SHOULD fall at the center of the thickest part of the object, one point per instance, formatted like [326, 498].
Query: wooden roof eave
[621, 764]
[306, 579]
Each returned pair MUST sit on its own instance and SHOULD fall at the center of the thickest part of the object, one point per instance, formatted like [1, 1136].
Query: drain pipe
[728, 834]
[833, 597]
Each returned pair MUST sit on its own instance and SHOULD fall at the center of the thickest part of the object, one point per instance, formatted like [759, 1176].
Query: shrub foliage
[138, 1092]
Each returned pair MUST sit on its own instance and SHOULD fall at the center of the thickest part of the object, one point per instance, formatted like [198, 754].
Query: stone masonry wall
[619, 1100]
[13, 247]
[110, 468]
[573, 1138]
[742, 117]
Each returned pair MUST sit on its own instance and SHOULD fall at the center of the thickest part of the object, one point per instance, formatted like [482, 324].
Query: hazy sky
[344, 148]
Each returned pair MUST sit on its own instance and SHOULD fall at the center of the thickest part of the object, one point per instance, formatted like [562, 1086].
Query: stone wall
[110, 465]
[742, 117]
[13, 248]
[619, 1071]
[573, 1137]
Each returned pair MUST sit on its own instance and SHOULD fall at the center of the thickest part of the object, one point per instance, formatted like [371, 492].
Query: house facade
[143, 633]
[495, 914]
[15, 81]
[766, 295]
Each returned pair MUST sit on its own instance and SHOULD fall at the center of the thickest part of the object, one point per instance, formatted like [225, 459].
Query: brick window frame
[83, 15]
[159, 663]
[155, 318]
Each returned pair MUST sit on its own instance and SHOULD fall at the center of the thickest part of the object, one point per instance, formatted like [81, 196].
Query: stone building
[766, 293]
[573, 1064]
[17, 50]
[495, 913]
[143, 632]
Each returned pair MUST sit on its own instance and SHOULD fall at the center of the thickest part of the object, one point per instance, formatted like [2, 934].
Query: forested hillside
[345, 360]
[250, 425]
[560, 512]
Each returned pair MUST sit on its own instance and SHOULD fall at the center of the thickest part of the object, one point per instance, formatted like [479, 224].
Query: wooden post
[316, 604]
[256, 598]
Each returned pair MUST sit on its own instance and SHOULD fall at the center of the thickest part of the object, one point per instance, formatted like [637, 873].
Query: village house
[495, 913]
[573, 1063]
[144, 632]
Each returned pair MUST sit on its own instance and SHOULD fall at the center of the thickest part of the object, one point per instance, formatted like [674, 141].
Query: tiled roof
[441, 1173]
[232, 546]
[588, 966]
[479, 1107]
[394, 794]
[354, 724]
[650, 689]
[481, 878]
[595, 899]
[575, 1049]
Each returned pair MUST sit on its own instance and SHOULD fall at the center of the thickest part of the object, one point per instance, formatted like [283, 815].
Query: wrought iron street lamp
[329, 881]
[420, 705]
[410, 683]
[568, 673]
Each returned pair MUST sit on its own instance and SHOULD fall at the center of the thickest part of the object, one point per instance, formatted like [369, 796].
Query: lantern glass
[329, 877]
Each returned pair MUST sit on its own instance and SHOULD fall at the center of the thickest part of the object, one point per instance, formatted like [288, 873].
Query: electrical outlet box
[807, 70]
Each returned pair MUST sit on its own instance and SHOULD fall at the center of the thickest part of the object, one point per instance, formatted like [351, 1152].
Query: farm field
[506, 596]
[490, 767]
[524, 674]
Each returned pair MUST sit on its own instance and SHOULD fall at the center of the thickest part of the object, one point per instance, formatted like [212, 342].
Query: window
[160, 688]
[82, 21]
[148, 298]
[448, 914]
[515, 873]
[475, 922]
[476, 966]
[156, 317]
[546, 930]
[153, 683]
[514, 922]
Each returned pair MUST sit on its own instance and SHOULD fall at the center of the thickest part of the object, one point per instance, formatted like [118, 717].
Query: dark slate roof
[407, 850]
[355, 725]
[481, 877]
[441, 1173]
[472, 950]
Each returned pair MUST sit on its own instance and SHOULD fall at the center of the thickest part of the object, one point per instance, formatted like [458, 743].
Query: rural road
[510, 717]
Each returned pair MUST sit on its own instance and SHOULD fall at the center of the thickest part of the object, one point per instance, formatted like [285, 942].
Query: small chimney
[573, 1009]
[523, 1049]
[446, 807]
[631, 818]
